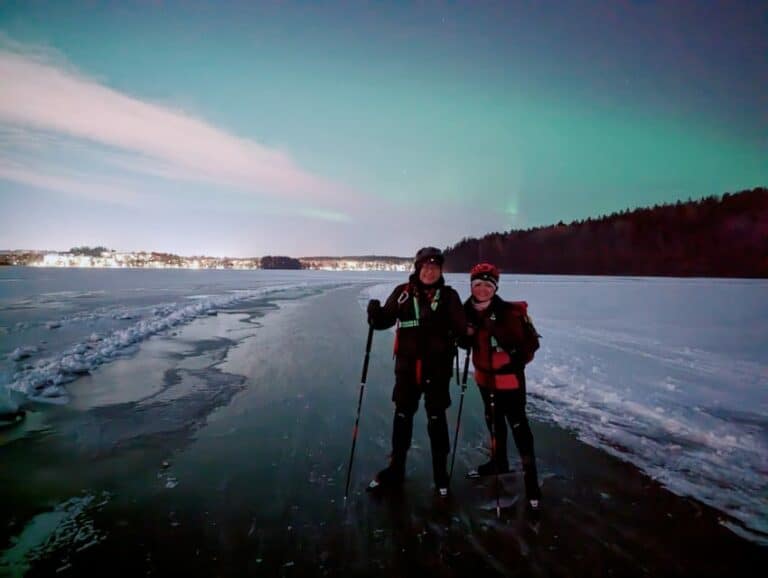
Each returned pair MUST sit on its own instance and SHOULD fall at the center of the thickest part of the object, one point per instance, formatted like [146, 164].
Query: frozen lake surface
[670, 375]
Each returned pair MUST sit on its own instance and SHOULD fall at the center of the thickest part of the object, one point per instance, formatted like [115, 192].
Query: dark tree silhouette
[712, 237]
[279, 262]
[88, 251]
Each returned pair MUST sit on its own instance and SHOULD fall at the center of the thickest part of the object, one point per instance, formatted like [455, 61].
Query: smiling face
[482, 290]
[429, 273]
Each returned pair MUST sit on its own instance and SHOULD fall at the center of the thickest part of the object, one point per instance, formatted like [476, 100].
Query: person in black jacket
[429, 318]
[503, 341]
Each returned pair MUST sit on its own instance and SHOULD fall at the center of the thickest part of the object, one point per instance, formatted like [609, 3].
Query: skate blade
[475, 475]
[372, 486]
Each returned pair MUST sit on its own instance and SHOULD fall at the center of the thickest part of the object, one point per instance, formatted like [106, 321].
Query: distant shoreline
[506, 273]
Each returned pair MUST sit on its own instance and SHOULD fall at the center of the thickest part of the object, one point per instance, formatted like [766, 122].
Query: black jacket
[428, 339]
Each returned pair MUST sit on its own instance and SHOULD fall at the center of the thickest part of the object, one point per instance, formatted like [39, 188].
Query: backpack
[530, 335]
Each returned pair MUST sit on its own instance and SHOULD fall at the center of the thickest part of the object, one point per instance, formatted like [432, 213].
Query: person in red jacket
[503, 341]
[429, 319]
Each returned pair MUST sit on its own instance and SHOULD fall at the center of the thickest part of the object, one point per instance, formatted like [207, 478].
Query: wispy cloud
[42, 93]
[77, 185]
[325, 215]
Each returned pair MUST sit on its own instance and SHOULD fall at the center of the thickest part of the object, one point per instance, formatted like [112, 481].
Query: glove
[516, 359]
[465, 341]
[374, 307]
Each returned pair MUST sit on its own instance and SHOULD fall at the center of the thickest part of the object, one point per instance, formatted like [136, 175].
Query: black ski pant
[509, 408]
[436, 401]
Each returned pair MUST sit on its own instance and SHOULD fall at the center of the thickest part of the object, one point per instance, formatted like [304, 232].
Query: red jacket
[503, 343]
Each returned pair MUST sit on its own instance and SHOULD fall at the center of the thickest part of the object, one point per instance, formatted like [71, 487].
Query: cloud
[43, 95]
[74, 184]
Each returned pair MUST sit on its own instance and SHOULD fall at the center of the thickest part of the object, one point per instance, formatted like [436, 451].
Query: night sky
[350, 128]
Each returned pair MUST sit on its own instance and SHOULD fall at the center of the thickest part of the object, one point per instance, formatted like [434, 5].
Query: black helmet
[428, 255]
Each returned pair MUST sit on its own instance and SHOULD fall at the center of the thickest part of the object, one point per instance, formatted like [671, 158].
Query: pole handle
[466, 368]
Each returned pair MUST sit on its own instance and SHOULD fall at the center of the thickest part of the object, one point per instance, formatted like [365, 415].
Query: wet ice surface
[220, 447]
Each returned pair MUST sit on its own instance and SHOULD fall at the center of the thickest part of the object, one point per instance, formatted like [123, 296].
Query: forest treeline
[279, 262]
[717, 236]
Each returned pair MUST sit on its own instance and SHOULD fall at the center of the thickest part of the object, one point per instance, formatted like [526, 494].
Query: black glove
[465, 341]
[374, 308]
[516, 359]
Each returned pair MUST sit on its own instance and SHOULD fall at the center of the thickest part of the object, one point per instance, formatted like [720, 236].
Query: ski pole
[466, 368]
[494, 457]
[461, 405]
[456, 358]
[359, 406]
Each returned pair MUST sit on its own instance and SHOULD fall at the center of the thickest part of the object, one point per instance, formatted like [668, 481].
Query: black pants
[509, 408]
[436, 401]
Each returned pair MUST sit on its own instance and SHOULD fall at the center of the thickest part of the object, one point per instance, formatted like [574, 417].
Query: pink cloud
[41, 95]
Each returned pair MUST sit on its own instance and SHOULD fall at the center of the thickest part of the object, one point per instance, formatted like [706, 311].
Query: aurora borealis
[357, 128]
